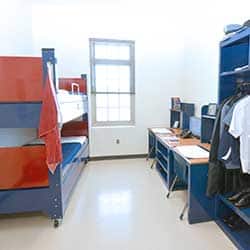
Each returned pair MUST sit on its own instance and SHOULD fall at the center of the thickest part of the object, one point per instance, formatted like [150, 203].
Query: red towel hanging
[48, 127]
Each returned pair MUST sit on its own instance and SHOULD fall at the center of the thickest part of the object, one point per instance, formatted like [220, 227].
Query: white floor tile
[117, 205]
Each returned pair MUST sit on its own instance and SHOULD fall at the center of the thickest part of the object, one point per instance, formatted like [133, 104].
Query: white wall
[154, 27]
[16, 27]
[16, 40]
[177, 52]
[201, 53]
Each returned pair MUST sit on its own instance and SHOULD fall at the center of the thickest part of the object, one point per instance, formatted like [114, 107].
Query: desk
[152, 141]
[163, 158]
[200, 207]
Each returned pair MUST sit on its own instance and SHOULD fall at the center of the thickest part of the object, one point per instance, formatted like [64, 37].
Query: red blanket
[48, 127]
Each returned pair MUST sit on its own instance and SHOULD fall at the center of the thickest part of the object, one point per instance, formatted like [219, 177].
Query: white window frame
[94, 62]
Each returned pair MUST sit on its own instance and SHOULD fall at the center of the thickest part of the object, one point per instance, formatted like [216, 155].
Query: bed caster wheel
[168, 195]
[181, 216]
[57, 223]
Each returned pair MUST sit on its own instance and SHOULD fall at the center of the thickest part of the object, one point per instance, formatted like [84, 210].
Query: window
[112, 82]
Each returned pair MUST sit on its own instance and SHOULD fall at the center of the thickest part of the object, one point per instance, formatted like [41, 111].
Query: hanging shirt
[229, 146]
[228, 150]
[240, 128]
[224, 111]
[228, 118]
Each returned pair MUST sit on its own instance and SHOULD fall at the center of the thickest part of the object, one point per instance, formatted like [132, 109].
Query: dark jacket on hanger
[220, 179]
[215, 168]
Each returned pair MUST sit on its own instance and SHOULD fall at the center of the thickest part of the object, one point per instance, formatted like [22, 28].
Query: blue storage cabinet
[234, 53]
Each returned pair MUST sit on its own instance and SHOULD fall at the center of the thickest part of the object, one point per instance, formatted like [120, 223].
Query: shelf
[233, 40]
[162, 166]
[243, 72]
[162, 174]
[240, 238]
[209, 117]
[244, 213]
[162, 149]
[165, 158]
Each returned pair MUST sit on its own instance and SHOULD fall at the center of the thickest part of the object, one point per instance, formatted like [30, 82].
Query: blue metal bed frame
[52, 200]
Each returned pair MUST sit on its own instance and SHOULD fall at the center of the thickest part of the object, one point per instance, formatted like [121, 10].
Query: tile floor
[117, 205]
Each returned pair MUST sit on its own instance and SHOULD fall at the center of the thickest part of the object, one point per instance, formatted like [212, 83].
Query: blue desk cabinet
[191, 177]
[200, 207]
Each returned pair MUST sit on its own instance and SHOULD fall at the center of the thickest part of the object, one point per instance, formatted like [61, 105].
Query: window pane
[113, 114]
[113, 100]
[106, 78]
[124, 78]
[125, 114]
[101, 78]
[114, 52]
[101, 114]
[124, 52]
[101, 100]
[112, 78]
[125, 100]
[101, 51]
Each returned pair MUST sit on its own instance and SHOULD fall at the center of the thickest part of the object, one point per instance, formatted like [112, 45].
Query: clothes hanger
[245, 88]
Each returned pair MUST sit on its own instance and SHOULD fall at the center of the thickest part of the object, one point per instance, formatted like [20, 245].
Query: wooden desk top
[182, 142]
[176, 131]
[201, 160]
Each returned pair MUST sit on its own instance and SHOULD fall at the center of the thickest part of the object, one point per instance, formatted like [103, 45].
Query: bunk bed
[26, 183]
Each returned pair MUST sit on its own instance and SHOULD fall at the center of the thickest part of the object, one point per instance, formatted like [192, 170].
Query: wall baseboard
[117, 157]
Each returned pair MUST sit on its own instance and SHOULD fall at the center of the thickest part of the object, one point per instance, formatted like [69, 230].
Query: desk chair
[181, 173]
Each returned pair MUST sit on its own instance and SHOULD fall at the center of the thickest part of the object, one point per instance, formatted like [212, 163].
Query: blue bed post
[48, 55]
[54, 206]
